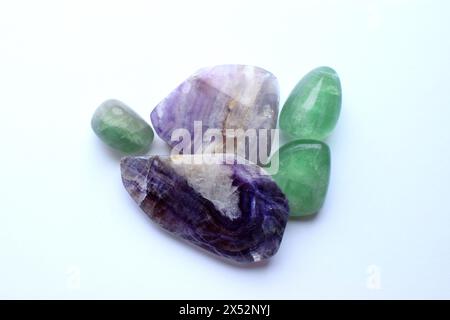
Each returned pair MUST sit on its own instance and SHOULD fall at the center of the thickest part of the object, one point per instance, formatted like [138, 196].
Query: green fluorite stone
[121, 128]
[312, 109]
[303, 175]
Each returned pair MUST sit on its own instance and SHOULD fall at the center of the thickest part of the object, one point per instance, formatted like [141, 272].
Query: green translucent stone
[121, 128]
[303, 175]
[312, 109]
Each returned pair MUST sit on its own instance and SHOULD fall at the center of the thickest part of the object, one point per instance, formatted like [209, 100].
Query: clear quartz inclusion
[231, 209]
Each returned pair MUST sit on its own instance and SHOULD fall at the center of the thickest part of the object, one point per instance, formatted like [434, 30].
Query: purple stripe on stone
[221, 97]
[232, 210]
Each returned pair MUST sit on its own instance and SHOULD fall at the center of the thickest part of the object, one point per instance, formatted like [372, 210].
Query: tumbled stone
[232, 210]
[303, 175]
[313, 107]
[121, 128]
[221, 97]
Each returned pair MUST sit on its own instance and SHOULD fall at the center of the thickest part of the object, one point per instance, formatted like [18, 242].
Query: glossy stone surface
[222, 97]
[121, 128]
[303, 175]
[231, 210]
[313, 107]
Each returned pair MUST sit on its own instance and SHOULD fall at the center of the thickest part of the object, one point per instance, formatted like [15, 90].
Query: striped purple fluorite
[232, 210]
[220, 97]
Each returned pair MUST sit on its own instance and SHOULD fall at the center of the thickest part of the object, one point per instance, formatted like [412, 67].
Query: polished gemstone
[303, 175]
[232, 210]
[121, 128]
[313, 107]
[221, 97]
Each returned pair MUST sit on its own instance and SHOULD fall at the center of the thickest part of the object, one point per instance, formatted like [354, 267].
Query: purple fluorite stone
[222, 97]
[232, 210]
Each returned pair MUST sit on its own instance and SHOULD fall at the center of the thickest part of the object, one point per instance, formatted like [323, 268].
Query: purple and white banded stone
[221, 97]
[230, 209]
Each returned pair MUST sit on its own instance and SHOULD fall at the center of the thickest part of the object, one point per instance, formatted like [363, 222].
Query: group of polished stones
[232, 209]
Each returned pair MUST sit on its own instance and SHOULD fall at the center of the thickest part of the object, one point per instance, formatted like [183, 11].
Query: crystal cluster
[228, 207]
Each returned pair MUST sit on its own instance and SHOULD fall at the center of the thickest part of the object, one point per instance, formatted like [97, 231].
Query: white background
[68, 229]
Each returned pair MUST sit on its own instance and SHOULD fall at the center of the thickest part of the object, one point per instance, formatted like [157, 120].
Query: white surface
[68, 229]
